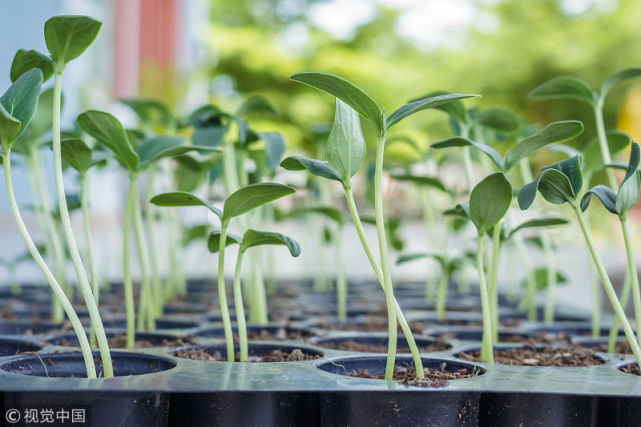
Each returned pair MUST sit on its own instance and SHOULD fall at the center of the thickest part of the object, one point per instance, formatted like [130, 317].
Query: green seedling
[134, 157]
[345, 153]
[619, 204]
[17, 107]
[238, 203]
[251, 238]
[561, 183]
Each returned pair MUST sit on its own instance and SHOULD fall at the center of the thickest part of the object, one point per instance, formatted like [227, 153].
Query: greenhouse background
[190, 52]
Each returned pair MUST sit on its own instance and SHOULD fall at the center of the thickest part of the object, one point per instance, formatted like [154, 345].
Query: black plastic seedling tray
[153, 387]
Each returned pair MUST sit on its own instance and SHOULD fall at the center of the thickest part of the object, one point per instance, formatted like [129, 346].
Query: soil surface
[632, 369]
[622, 348]
[120, 341]
[352, 345]
[295, 355]
[565, 355]
[433, 377]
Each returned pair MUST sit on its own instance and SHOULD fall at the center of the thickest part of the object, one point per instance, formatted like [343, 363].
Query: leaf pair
[238, 203]
[558, 183]
[555, 132]
[253, 238]
[627, 196]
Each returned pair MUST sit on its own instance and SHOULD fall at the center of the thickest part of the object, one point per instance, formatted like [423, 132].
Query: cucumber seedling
[238, 203]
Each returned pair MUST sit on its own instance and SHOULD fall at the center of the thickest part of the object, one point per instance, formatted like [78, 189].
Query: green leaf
[213, 241]
[619, 77]
[499, 119]
[274, 148]
[190, 173]
[20, 102]
[423, 181]
[563, 88]
[328, 211]
[253, 238]
[108, 131]
[455, 109]
[403, 258]
[538, 223]
[461, 210]
[76, 153]
[553, 133]
[628, 194]
[150, 111]
[67, 37]
[313, 166]
[459, 141]
[554, 185]
[25, 60]
[605, 194]
[424, 104]
[195, 232]
[565, 149]
[156, 148]
[9, 126]
[346, 92]
[256, 104]
[541, 279]
[345, 146]
[183, 198]
[253, 196]
[571, 168]
[490, 200]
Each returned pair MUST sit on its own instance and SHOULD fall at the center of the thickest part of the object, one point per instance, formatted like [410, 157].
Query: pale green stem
[222, 294]
[548, 250]
[405, 327]
[156, 284]
[240, 309]
[93, 268]
[126, 264]
[146, 312]
[614, 329]
[467, 158]
[493, 288]
[603, 141]
[441, 295]
[596, 303]
[83, 281]
[55, 286]
[530, 281]
[341, 281]
[15, 284]
[487, 351]
[609, 290]
[632, 268]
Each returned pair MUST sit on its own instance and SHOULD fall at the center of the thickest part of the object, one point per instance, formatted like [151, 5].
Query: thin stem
[240, 309]
[492, 288]
[467, 158]
[93, 268]
[596, 303]
[603, 141]
[83, 281]
[126, 264]
[487, 352]
[548, 250]
[55, 286]
[609, 290]
[632, 269]
[614, 329]
[146, 295]
[341, 281]
[222, 294]
[405, 327]
[441, 295]
[156, 284]
[530, 281]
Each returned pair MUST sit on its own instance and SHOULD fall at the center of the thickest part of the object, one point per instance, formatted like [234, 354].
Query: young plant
[345, 154]
[619, 204]
[17, 107]
[240, 202]
[251, 238]
[134, 158]
[560, 183]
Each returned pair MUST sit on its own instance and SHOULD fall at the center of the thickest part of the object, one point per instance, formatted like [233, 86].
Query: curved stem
[492, 289]
[93, 268]
[146, 293]
[632, 269]
[83, 281]
[240, 309]
[487, 352]
[609, 289]
[222, 294]
[55, 286]
[126, 264]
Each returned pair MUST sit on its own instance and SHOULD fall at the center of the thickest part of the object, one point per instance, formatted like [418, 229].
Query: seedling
[345, 154]
[240, 202]
[251, 238]
[109, 132]
[560, 183]
[17, 107]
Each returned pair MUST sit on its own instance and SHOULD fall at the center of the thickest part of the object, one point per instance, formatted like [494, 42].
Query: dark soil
[120, 341]
[438, 345]
[622, 348]
[566, 355]
[632, 369]
[295, 355]
[281, 334]
[433, 377]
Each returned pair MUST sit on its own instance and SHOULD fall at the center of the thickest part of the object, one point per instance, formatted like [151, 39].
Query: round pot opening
[262, 353]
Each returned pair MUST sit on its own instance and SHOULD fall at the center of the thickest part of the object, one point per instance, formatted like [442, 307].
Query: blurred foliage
[530, 43]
